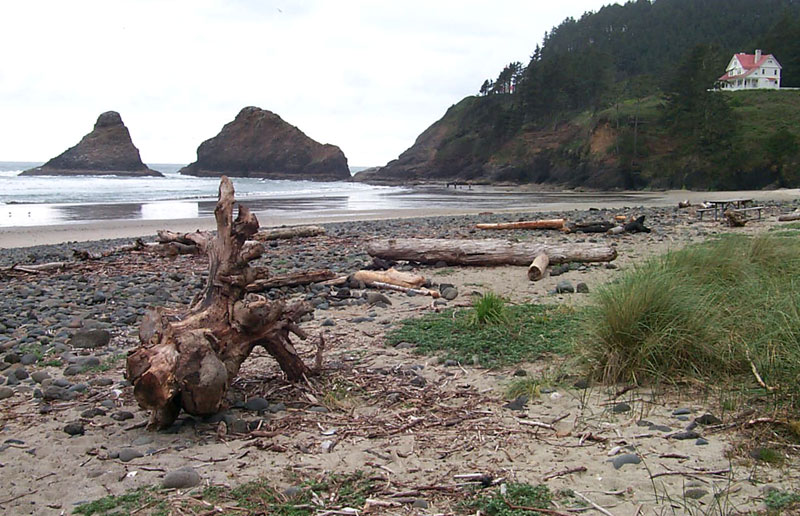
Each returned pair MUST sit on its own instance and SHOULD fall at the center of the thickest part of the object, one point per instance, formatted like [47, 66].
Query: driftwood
[589, 227]
[82, 254]
[636, 226]
[36, 268]
[418, 291]
[391, 276]
[485, 252]
[187, 360]
[538, 267]
[290, 232]
[788, 217]
[526, 224]
[734, 218]
[291, 280]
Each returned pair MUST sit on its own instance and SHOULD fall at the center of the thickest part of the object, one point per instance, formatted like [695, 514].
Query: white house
[751, 72]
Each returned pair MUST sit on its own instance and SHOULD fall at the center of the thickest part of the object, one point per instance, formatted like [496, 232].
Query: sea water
[45, 200]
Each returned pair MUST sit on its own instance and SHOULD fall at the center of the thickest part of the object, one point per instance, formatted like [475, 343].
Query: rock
[581, 383]
[11, 358]
[450, 363]
[90, 339]
[625, 458]
[40, 376]
[128, 454]
[318, 408]
[28, 359]
[93, 412]
[256, 404]
[518, 403]
[258, 143]
[708, 419]
[420, 503]
[681, 412]
[74, 428]
[72, 370]
[564, 286]
[6, 392]
[450, 293]
[106, 150]
[122, 415]
[682, 436]
[376, 297]
[659, 428]
[582, 288]
[701, 442]
[620, 408]
[405, 345]
[276, 407]
[695, 493]
[181, 478]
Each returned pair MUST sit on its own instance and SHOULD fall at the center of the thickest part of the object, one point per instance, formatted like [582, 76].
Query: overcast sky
[368, 76]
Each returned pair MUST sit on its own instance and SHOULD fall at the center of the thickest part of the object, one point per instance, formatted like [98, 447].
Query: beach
[412, 420]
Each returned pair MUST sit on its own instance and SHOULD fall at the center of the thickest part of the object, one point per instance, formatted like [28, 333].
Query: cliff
[107, 150]
[258, 143]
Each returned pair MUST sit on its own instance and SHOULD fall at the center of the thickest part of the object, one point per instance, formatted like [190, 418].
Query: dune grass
[711, 311]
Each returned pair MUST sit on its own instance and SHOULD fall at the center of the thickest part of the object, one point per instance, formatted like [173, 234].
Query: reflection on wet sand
[426, 198]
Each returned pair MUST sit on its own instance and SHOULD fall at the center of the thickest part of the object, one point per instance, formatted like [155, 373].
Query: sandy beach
[428, 201]
[410, 420]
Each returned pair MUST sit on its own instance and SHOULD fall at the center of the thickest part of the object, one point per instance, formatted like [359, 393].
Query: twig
[592, 503]
[577, 469]
[18, 497]
[537, 424]
[320, 351]
[532, 509]
[690, 473]
[758, 376]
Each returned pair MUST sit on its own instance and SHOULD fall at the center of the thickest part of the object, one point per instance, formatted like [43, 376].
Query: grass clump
[488, 309]
[782, 502]
[513, 500]
[124, 504]
[527, 332]
[711, 311]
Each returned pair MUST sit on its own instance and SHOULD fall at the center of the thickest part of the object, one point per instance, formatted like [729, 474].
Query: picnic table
[721, 205]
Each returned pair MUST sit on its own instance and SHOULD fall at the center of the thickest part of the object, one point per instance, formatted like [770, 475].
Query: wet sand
[101, 221]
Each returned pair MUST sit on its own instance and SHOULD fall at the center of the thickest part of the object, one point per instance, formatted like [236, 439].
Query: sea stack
[259, 143]
[107, 150]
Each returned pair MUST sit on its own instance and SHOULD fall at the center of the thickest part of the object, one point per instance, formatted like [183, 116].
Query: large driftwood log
[290, 232]
[788, 217]
[485, 252]
[391, 276]
[538, 267]
[187, 360]
[524, 224]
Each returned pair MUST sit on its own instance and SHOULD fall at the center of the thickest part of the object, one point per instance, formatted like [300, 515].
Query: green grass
[782, 502]
[488, 309]
[527, 332]
[256, 497]
[519, 495]
[705, 312]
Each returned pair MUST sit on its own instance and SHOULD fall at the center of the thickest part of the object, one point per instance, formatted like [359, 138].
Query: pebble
[708, 419]
[582, 288]
[256, 404]
[682, 436]
[90, 339]
[74, 428]
[701, 442]
[620, 408]
[6, 392]
[695, 493]
[625, 458]
[122, 415]
[564, 286]
[681, 412]
[518, 403]
[128, 454]
[40, 376]
[181, 478]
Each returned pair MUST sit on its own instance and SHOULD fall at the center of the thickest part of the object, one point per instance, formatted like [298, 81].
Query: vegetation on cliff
[621, 98]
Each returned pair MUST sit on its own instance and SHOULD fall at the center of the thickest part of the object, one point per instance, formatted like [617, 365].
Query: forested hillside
[638, 78]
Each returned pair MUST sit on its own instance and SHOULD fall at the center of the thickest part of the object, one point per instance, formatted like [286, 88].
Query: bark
[589, 227]
[286, 233]
[291, 280]
[526, 224]
[485, 252]
[82, 254]
[538, 267]
[187, 360]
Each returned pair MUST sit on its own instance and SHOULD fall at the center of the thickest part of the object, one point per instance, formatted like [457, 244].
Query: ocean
[48, 200]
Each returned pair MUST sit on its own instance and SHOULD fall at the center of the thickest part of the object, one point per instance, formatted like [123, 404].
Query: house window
[774, 72]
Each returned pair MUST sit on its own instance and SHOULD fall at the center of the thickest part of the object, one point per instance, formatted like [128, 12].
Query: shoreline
[461, 202]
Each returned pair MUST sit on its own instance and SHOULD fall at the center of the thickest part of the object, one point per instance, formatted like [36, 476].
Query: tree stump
[188, 359]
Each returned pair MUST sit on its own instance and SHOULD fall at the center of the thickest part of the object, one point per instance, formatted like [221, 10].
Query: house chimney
[758, 55]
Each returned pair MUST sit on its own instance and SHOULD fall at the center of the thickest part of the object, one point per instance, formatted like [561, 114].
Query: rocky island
[107, 150]
[259, 143]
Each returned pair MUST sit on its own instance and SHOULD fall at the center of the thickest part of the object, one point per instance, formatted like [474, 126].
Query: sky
[368, 76]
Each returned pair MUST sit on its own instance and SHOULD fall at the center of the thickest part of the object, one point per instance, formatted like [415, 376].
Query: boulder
[258, 143]
[107, 150]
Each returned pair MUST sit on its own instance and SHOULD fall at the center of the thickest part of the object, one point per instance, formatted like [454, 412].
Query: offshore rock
[107, 150]
[259, 143]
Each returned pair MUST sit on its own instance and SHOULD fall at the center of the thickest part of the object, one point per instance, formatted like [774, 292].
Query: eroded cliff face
[258, 143]
[107, 150]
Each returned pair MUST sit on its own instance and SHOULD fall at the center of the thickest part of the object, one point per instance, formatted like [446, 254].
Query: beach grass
[723, 310]
[491, 333]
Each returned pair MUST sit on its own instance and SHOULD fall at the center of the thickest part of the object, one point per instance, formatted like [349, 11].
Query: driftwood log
[600, 226]
[524, 224]
[485, 252]
[734, 219]
[289, 232]
[788, 217]
[187, 360]
[391, 276]
[538, 267]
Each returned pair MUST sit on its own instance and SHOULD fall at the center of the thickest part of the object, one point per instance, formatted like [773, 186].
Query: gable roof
[749, 64]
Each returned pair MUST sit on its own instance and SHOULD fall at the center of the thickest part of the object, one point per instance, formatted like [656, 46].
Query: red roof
[748, 63]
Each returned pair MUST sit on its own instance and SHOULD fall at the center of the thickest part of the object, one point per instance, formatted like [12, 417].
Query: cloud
[367, 76]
